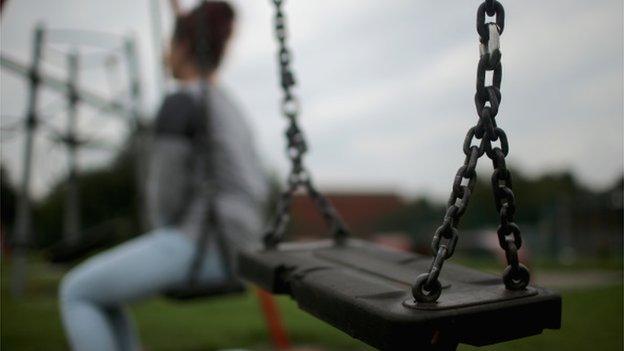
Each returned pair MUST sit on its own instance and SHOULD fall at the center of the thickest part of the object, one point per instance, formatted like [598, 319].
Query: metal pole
[273, 319]
[71, 224]
[157, 42]
[24, 214]
[60, 85]
[136, 124]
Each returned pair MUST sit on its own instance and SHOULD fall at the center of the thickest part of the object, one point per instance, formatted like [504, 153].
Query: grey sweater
[201, 158]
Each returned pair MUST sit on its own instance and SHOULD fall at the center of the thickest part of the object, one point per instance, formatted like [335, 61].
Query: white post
[138, 127]
[157, 42]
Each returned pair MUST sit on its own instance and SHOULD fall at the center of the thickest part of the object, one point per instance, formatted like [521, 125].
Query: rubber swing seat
[364, 290]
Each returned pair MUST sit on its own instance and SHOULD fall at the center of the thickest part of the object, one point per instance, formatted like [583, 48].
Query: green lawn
[592, 320]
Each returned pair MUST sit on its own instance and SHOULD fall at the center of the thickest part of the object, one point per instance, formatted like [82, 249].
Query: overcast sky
[386, 86]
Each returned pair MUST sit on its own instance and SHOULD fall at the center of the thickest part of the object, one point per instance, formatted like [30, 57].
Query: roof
[361, 211]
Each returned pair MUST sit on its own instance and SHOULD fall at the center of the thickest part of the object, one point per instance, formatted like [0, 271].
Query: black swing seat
[188, 293]
[364, 290]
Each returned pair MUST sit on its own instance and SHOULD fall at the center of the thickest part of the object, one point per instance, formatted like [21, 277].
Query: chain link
[298, 177]
[427, 287]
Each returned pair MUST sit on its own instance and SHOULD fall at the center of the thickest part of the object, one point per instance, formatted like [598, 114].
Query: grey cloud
[387, 87]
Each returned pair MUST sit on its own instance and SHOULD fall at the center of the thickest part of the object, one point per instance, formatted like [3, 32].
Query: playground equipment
[368, 291]
[73, 242]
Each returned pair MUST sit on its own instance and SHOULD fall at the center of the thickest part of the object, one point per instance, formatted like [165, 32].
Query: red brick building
[361, 211]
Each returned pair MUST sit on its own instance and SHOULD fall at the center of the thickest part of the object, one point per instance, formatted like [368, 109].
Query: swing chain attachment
[298, 177]
[492, 46]
[427, 287]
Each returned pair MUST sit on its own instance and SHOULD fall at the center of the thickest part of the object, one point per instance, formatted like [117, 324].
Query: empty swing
[371, 292]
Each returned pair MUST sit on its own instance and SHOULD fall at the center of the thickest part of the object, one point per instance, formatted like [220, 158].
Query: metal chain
[298, 177]
[427, 287]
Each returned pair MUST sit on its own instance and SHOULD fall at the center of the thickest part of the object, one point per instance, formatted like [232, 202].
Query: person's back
[239, 188]
[204, 154]
[203, 162]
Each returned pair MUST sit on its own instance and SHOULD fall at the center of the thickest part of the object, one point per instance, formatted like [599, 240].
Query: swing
[370, 292]
[195, 288]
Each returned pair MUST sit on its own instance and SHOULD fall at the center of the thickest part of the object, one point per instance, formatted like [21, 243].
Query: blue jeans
[93, 295]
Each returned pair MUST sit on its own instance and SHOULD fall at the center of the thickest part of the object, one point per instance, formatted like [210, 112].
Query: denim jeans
[94, 295]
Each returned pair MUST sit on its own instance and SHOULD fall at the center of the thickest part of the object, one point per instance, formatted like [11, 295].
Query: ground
[592, 319]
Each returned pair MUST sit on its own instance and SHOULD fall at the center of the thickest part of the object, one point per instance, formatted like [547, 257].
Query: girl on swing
[202, 161]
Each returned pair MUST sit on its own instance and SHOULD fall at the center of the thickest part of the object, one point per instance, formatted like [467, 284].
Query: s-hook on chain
[427, 287]
[298, 177]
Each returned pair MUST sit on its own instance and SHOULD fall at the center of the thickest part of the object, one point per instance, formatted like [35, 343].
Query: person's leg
[124, 328]
[93, 293]
[213, 267]
[87, 326]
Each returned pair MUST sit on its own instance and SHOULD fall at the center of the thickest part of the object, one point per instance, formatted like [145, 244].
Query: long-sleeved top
[203, 155]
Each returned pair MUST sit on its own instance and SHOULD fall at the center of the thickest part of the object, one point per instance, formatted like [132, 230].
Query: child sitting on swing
[202, 156]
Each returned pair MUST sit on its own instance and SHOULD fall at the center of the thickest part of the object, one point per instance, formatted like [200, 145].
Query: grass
[494, 265]
[592, 320]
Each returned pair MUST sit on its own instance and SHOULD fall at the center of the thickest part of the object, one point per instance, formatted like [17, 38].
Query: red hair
[205, 30]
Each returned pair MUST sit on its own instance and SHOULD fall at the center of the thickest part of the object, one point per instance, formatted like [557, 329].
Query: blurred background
[387, 96]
